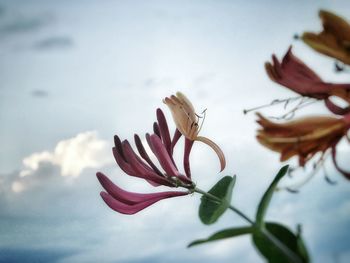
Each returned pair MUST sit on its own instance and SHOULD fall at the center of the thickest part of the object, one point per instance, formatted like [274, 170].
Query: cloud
[55, 42]
[24, 24]
[68, 160]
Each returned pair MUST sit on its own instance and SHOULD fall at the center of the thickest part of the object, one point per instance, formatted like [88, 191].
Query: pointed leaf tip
[223, 234]
[265, 200]
[293, 242]
[211, 210]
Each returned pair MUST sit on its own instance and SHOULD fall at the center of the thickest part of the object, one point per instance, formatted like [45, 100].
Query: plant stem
[282, 247]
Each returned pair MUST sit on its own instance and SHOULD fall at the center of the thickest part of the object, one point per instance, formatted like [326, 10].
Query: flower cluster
[292, 73]
[162, 145]
[305, 137]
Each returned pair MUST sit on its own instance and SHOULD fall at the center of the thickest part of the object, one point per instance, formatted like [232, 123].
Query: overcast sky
[74, 73]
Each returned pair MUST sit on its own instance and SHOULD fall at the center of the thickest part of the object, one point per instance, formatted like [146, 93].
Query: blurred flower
[187, 123]
[292, 73]
[304, 137]
[334, 40]
[142, 166]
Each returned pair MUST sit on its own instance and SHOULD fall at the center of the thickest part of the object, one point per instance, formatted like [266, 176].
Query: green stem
[282, 247]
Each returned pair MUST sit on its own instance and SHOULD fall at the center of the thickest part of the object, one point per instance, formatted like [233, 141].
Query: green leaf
[227, 233]
[265, 200]
[288, 238]
[210, 210]
[301, 246]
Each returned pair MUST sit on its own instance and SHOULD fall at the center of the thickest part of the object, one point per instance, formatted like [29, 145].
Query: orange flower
[304, 137]
[334, 40]
[187, 123]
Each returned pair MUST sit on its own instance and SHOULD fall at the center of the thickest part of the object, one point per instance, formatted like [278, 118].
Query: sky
[75, 73]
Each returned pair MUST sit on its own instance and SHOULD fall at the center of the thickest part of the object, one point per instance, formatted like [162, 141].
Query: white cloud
[73, 155]
[17, 186]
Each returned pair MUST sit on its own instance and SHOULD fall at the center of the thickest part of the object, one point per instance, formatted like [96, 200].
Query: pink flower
[142, 166]
[292, 73]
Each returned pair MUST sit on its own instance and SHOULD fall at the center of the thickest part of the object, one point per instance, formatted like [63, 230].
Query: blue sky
[74, 73]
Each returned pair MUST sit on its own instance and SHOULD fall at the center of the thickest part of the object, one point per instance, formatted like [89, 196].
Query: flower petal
[216, 148]
[156, 129]
[164, 130]
[332, 41]
[162, 155]
[141, 168]
[188, 147]
[128, 209]
[342, 171]
[122, 163]
[176, 137]
[335, 108]
[131, 198]
[187, 105]
[144, 154]
[118, 146]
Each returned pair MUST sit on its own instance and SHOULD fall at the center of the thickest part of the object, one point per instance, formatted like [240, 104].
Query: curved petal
[188, 147]
[130, 197]
[156, 129]
[122, 163]
[163, 156]
[176, 137]
[119, 147]
[277, 66]
[140, 167]
[144, 154]
[164, 130]
[216, 148]
[335, 108]
[342, 171]
[128, 209]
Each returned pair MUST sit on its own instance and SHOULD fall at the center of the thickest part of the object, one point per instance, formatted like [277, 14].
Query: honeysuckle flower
[187, 123]
[304, 137]
[292, 73]
[142, 166]
[334, 40]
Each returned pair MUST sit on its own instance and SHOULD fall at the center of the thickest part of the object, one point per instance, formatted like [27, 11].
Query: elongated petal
[144, 154]
[136, 162]
[292, 64]
[140, 168]
[188, 147]
[335, 25]
[118, 146]
[270, 70]
[332, 41]
[163, 156]
[297, 76]
[130, 197]
[164, 130]
[346, 120]
[176, 137]
[187, 105]
[122, 163]
[216, 148]
[128, 209]
[335, 108]
[182, 119]
[342, 171]
[156, 129]
[277, 66]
